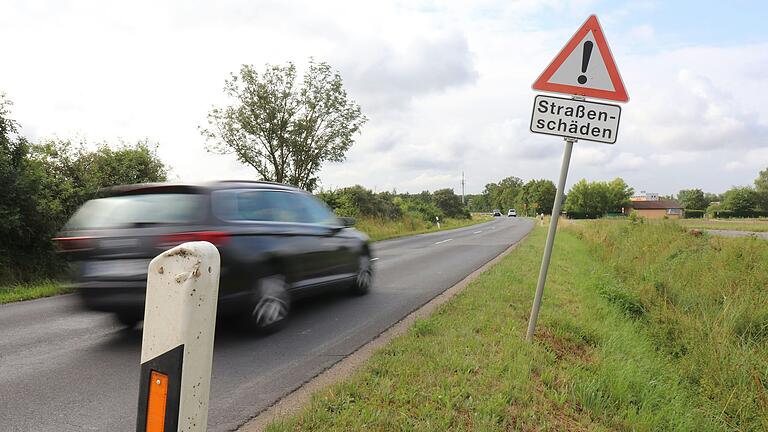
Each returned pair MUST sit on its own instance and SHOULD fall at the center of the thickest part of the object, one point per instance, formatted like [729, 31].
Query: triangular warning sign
[584, 67]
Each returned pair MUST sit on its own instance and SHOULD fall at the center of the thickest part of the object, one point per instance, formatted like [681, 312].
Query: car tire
[271, 305]
[128, 319]
[364, 277]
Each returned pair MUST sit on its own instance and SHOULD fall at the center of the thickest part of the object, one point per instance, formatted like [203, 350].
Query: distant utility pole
[462, 188]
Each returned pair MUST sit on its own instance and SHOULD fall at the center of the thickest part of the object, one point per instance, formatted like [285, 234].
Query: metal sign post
[550, 238]
[575, 71]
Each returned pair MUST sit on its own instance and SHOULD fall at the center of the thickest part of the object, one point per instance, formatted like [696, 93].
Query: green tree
[285, 130]
[24, 247]
[537, 196]
[761, 187]
[740, 200]
[358, 201]
[75, 174]
[618, 193]
[587, 199]
[449, 203]
[692, 199]
[41, 185]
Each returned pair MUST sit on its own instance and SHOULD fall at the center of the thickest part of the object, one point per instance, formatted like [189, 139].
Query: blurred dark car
[496, 213]
[277, 243]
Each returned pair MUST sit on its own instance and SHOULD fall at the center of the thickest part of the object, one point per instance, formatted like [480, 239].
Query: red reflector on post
[158, 398]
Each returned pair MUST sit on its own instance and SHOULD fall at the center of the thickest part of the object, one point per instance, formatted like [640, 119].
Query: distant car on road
[277, 243]
[511, 213]
[496, 213]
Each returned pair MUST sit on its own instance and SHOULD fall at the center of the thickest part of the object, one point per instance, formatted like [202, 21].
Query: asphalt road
[64, 369]
[733, 233]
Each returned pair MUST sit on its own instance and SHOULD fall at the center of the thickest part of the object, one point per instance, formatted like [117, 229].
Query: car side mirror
[346, 221]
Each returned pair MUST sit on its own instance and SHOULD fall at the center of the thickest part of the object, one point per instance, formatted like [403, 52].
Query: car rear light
[217, 238]
[74, 244]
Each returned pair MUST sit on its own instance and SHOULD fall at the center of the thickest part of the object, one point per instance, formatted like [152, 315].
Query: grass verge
[380, 229]
[755, 225]
[29, 291]
[604, 357]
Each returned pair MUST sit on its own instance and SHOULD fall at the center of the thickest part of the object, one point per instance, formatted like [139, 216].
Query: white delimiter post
[550, 238]
[177, 344]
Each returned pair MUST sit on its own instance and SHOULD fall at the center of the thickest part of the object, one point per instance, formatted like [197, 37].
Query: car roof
[170, 187]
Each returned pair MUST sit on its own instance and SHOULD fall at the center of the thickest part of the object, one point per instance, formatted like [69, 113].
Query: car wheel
[128, 319]
[271, 304]
[364, 278]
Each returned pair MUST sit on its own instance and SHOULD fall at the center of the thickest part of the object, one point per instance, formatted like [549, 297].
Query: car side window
[247, 205]
[255, 206]
[287, 207]
[271, 206]
[316, 212]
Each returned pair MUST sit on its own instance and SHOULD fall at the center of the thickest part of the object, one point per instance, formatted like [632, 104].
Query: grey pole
[550, 238]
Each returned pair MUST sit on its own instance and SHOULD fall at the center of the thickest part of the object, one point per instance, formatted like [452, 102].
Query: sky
[446, 85]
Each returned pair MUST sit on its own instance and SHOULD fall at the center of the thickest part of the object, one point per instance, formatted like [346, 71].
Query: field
[17, 292]
[378, 229]
[758, 225]
[644, 327]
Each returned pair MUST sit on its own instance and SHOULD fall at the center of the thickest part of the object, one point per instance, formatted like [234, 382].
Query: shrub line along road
[65, 369]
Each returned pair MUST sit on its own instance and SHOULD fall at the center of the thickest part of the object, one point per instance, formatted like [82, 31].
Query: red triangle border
[591, 25]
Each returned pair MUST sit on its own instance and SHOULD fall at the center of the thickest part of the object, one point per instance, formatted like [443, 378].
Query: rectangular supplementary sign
[573, 118]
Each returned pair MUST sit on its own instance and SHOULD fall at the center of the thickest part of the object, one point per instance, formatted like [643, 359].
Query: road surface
[65, 369]
[733, 233]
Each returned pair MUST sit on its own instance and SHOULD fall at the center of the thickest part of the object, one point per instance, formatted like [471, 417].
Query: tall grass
[27, 291]
[643, 328]
[704, 303]
[735, 224]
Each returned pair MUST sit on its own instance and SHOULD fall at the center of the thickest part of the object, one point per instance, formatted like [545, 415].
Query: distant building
[648, 204]
[645, 196]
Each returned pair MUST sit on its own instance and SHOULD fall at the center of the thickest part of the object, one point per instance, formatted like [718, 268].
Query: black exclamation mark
[585, 61]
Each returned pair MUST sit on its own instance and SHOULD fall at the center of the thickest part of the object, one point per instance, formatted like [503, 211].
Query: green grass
[643, 327]
[380, 229]
[29, 291]
[757, 225]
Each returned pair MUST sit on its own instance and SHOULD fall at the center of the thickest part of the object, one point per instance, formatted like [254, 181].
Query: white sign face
[576, 119]
[584, 67]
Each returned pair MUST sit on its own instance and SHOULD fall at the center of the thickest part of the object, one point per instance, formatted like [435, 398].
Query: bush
[694, 214]
[420, 209]
[42, 185]
[357, 201]
[726, 214]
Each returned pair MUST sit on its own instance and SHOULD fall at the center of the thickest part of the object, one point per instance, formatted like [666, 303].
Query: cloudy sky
[446, 84]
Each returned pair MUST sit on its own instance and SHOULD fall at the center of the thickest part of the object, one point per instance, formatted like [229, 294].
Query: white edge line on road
[477, 232]
[374, 259]
[443, 241]
[296, 399]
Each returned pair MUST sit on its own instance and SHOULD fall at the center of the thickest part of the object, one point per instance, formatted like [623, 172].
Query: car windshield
[136, 210]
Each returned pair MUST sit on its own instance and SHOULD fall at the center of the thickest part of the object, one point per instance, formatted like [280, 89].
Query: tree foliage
[740, 200]
[693, 199]
[449, 203]
[358, 201]
[594, 199]
[41, 185]
[537, 196]
[284, 129]
[761, 187]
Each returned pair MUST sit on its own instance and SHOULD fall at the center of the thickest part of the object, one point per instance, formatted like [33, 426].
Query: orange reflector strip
[158, 396]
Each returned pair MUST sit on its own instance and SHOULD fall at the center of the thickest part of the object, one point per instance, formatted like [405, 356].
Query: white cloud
[446, 86]
[627, 161]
